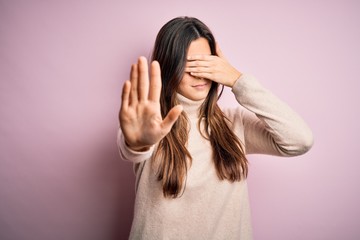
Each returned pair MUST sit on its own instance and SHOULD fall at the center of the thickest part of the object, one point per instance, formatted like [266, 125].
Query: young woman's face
[191, 87]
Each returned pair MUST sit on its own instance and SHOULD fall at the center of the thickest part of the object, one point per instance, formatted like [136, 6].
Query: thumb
[171, 118]
[219, 52]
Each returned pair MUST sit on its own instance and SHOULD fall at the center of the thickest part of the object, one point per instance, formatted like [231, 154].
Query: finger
[134, 82]
[155, 82]
[125, 96]
[143, 87]
[200, 66]
[198, 63]
[206, 75]
[199, 57]
[171, 118]
[199, 69]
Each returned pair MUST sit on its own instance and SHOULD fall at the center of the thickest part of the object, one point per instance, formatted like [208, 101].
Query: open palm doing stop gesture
[140, 115]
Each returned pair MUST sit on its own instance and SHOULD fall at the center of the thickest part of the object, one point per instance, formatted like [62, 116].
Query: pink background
[62, 65]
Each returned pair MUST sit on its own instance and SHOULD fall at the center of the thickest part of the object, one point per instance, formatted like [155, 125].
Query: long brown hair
[172, 157]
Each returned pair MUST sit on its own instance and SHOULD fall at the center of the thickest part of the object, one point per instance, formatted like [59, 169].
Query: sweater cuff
[130, 155]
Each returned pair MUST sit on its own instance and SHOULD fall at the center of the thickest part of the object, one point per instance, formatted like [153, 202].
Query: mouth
[200, 85]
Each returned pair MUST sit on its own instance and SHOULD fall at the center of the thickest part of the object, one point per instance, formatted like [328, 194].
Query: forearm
[278, 126]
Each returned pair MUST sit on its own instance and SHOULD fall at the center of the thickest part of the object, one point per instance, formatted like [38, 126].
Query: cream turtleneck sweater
[210, 208]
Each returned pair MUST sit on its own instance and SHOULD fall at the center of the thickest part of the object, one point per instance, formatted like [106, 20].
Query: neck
[190, 107]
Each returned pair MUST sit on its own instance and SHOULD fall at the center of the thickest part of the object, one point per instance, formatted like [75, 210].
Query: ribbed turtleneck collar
[191, 107]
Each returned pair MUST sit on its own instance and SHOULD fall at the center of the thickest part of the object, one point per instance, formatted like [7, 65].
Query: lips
[200, 85]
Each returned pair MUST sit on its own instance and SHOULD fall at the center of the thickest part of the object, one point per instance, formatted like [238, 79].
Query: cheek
[182, 87]
[185, 80]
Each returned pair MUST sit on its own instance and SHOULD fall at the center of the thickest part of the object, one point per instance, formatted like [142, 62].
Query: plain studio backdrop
[62, 66]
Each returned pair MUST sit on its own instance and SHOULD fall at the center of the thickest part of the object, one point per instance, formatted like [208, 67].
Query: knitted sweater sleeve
[270, 126]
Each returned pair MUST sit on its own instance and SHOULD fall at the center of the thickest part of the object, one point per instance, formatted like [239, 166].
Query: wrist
[237, 77]
[137, 148]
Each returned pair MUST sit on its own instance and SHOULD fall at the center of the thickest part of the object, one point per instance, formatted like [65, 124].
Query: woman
[189, 155]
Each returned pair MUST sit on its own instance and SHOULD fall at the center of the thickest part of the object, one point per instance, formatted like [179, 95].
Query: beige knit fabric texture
[210, 208]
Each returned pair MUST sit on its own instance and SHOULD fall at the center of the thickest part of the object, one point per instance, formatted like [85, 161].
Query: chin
[198, 98]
